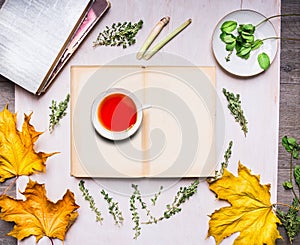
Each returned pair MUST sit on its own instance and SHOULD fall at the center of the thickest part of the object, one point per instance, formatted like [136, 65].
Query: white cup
[116, 135]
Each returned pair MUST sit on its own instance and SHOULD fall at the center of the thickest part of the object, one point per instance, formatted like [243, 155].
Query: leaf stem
[275, 16]
[291, 168]
[286, 205]
[51, 240]
[281, 204]
[282, 38]
[291, 176]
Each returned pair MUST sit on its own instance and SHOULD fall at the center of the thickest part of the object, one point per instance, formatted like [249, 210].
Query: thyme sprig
[134, 211]
[182, 195]
[224, 164]
[119, 34]
[113, 208]
[234, 105]
[156, 195]
[90, 199]
[58, 112]
[290, 220]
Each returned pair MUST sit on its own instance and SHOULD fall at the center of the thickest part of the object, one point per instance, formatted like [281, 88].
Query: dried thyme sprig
[181, 197]
[224, 164]
[156, 195]
[58, 112]
[136, 196]
[119, 34]
[234, 105]
[90, 199]
[113, 208]
[290, 220]
[135, 215]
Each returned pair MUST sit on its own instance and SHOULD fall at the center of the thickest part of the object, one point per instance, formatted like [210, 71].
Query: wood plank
[289, 99]
[290, 50]
[7, 96]
[7, 93]
[289, 119]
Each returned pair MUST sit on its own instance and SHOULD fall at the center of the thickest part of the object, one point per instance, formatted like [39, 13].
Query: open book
[38, 37]
[177, 134]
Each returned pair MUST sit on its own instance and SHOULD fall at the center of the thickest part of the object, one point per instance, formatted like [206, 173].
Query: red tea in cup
[117, 112]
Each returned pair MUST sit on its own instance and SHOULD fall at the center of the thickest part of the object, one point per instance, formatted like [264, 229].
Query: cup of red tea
[117, 114]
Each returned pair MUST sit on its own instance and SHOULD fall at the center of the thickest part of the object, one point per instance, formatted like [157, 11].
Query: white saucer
[237, 65]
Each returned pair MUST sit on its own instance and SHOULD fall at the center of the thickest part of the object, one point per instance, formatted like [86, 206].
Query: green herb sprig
[291, 219]
[58, 112]
[90, 199]
[224, 164]
[291, 146]
[244, 42]
[156, 195]
[113, 208]
[234, 105]
[119, 34]
[134, 212]
[182, 195]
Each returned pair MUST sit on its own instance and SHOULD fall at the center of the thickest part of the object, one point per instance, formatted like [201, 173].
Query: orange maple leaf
[17, 156]
[251, 212]
[37, 215]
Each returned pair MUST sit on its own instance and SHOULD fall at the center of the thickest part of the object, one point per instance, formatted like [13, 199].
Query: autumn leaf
[17, 155]
[37, 215]
[250, 213]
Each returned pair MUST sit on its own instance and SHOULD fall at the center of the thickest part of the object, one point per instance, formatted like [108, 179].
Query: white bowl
[116, 135]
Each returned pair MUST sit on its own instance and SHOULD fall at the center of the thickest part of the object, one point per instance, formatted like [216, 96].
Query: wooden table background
[289, 105]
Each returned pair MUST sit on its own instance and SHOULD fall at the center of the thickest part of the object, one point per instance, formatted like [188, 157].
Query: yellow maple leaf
[250, 213]
[17, 156]
[37, 215]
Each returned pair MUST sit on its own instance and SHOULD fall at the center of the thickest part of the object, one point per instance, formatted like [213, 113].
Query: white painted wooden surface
[260, 100]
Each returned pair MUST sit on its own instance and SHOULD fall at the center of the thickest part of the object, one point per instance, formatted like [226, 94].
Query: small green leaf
[228, 26]
[243, 52]
[297, 174]
[285, 143]
[227, 38]
[257, 44]
[230, 46]
[247, 45]
[264, 61]
[249, 28]
[296, 154]
[246, 56]
[287, 185]
[238, 47]
[292, 141]
[248, 38]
